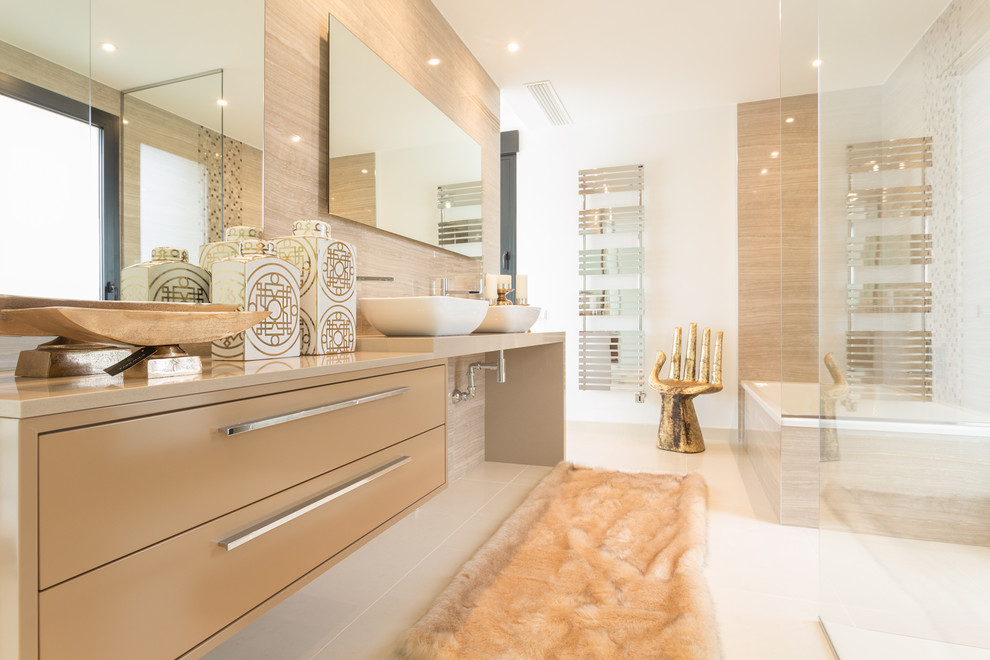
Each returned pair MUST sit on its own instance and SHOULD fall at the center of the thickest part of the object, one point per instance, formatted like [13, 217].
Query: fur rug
[593, 564]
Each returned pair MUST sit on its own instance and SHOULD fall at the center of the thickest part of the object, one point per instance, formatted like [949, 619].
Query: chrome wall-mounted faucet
[441, 287]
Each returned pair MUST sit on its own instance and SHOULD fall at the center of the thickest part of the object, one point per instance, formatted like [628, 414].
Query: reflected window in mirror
[174, 205]
[59, 221]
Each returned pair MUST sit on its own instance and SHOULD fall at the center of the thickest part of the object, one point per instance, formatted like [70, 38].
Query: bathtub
[898, 467]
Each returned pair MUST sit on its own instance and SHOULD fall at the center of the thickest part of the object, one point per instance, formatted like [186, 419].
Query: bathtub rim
[753, 388]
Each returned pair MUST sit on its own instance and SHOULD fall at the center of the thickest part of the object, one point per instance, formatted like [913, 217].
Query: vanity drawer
[109, 490]
[166, 599]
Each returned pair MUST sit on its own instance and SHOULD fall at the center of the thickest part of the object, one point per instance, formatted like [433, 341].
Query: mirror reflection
[153, 89]
[396, 161]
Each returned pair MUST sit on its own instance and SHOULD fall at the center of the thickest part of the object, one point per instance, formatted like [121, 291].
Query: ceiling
[630, 58]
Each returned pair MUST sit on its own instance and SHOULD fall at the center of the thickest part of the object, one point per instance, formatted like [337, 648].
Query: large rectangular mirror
[169, 104]
[397, 162]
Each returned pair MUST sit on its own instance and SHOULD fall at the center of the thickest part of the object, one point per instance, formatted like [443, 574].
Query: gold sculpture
[679, 428]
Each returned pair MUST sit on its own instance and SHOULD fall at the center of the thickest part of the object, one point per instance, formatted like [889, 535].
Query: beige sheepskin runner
[594, 564]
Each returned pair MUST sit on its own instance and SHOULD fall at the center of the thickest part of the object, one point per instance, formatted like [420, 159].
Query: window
[59, 228]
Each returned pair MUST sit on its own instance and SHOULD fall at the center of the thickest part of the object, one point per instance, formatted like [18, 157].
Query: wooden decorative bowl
[135, 323]
[133, 326]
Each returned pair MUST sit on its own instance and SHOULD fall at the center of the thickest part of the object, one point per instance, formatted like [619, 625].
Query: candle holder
[502, 300]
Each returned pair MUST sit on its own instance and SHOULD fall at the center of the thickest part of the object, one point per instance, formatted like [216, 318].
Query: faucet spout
[442, 286]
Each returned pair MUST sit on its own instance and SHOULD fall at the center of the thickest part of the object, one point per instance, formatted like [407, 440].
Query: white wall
[690, 165]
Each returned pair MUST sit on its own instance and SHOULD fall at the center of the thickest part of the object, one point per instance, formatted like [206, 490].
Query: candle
[505, 282]
[522, 289]
[491, 287]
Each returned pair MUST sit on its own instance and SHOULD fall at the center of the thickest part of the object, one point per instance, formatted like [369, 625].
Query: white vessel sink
[509, 318]
[424, 316]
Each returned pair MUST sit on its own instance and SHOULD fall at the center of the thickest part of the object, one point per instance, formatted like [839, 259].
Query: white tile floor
[762, 576]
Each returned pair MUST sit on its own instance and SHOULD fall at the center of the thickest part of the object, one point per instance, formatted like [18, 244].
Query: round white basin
[423, 316]
[509, 318]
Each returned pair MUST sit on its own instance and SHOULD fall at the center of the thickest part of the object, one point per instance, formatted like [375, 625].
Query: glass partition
[905, 442]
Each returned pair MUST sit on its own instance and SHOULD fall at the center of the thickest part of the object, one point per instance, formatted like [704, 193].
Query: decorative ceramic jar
[239, 233]
[327, 302]
[228, 248]
[168, 277]
[258, 280]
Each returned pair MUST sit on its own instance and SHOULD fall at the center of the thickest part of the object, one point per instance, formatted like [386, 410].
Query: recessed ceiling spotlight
[222, 103]
[512, 46]
[789, 120]
[433, 61]
[295, 138]
[107, 46]
[816, 63]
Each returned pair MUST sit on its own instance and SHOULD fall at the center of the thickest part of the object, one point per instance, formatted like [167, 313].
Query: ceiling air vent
[548, 100]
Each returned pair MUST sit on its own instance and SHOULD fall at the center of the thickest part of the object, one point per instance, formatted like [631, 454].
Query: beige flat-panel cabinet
[157, 529]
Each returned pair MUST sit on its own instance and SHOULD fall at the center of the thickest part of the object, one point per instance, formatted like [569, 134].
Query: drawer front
[106, 491]
[164, 600]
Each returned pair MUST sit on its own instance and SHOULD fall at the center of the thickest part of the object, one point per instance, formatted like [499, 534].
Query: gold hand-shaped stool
[679, 428]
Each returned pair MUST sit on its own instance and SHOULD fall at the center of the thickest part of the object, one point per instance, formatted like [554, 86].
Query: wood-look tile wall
[778, 239]
[799, 249]
[405, 34]
[759, 228]
[465, 419]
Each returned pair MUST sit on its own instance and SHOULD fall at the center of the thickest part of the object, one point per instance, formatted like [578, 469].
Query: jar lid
[242, 232]
[169, 254]
[311, 228]
[253, 246]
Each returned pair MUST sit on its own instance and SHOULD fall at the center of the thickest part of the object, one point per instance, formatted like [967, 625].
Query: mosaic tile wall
[940, 47]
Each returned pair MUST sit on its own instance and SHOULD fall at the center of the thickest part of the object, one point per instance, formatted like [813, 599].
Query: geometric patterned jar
[257, 280]
[327, 287]
[211, 253]
[168, 277]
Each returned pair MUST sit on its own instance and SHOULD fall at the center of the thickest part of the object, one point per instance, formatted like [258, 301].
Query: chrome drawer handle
[302, 414]
[242, 537]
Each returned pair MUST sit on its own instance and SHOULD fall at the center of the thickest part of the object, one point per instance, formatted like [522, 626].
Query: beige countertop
[32, 397]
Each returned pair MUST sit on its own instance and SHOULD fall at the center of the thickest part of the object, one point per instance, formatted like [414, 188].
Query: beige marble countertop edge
[22, 398]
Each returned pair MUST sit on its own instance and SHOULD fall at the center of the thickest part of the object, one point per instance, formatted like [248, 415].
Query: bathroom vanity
[154, 519]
